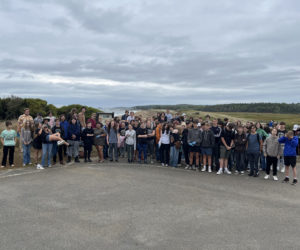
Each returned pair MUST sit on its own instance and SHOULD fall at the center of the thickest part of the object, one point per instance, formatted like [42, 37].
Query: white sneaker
[220, 171]
[242, 172]
[209, 170]
[282, 169]
[24, 165]
[275, 178]
[30, 163]
[187, 167]
[227, 171]
[39, 166]
[166, 165]
[2, 166]
[50, 166]
[163, 164]
[267, 177]
[203, 169]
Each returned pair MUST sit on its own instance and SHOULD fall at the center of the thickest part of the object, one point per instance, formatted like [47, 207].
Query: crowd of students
[199, 144]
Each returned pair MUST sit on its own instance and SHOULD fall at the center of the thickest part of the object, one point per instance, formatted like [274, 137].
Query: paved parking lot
[125, 206]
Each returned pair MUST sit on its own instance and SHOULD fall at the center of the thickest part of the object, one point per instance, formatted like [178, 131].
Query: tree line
[12, 107]
[293, 108]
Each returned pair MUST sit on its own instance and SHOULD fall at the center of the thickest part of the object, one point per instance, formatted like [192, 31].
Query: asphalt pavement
[122, 206]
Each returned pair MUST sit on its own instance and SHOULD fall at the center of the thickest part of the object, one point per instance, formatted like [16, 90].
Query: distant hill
[293, 108]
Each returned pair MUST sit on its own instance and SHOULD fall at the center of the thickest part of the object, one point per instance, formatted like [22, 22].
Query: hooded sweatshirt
[290, 145]
[272, 146]
[194, 135]
[208, 139]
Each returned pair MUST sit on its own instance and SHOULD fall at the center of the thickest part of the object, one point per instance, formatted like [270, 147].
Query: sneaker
[282, 170]
[267, 177]
[209, 170]
[203, 169]
[39, 166]
[152, 162]
[24, 165]
[162, 164]
[166, 165]
[12, 165]
[30, 163]
[242, 173]
[286, 180]
[227, 171]
[220, 171]
[236, 172]
[295, 181]
[275, 178]
[50, 166]
[256, 175]
[187, 167]
[2, 166]
[193, 168]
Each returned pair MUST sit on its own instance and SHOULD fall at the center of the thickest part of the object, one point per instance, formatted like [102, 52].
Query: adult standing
[81, 118]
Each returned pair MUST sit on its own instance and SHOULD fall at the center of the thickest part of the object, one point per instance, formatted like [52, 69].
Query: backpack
[257, 135]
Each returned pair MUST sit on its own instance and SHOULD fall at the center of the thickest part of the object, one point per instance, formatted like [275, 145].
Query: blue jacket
[289, 146]
[74, 130]
[65, 126]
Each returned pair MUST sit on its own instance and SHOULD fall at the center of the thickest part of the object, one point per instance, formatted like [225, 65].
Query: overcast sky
[133, 52]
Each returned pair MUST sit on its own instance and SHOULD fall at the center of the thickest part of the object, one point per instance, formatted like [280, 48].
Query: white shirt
[165, 138]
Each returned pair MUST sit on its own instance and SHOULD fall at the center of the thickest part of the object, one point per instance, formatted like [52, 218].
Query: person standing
[37, 144]
[8, 139]
[271, 150]
[240, 141]
[254, 148]
[227, 136]
[92, 120]
[99, 140]
[281, 131]
[64, 124]
[57, 128]
[130, 140]
[291, 142]
[21, 122]
[175, 145]
[125, 116]
[185, 146]
[112, 139]
[142, 136]
[26, 138]
[46, 146]
[207, 144]
[169, 116]
[73, 140]
[194, 141]
[164, 149]
[216, 129]
[88, 139]
[52, 119]
[150, 140]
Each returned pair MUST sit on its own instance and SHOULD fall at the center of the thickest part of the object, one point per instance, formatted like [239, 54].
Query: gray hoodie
[272, 146]
[194, 134]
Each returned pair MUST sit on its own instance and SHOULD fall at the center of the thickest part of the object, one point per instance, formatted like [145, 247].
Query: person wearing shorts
[194, 142]
[291, 143]
[207, 144]
[227, 136]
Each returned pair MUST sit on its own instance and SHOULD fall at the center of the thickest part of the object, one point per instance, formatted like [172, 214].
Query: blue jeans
[253, 158]
[174, 156]
[47, 151]
[26, 154]
[263, 162]
[142, 148]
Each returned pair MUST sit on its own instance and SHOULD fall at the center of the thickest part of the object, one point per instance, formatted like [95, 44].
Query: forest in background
[12, 107]
[280, 108]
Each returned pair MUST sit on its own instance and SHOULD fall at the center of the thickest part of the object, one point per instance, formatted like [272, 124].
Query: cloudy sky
[132, 52]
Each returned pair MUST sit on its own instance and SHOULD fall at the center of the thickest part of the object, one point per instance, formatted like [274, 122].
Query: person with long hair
[87, 137]
[112, 140]
[165, 145]
[99, 140]
[26, 138]
[73, 140]
[37, 144]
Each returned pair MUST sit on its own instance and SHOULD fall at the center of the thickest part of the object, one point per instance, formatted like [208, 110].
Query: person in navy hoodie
[291, 143]
[88, 139]
[64, 124]
[73, 140]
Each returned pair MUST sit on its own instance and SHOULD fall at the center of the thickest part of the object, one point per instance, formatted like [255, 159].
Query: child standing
[272, 153]
[290, 144]
[207, 145]
[8, 139]
[88, 139]
[26, 139]
[240, 141]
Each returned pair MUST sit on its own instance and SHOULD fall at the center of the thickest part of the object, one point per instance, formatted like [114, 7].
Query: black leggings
[87, 151]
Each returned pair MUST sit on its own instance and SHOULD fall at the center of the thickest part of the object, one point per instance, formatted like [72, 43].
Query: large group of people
[200, 144]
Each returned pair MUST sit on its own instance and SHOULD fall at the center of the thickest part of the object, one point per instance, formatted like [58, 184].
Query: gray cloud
[144, 52]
